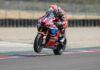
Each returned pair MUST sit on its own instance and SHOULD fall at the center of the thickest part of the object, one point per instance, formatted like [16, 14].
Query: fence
[33, 22]
[24, 13]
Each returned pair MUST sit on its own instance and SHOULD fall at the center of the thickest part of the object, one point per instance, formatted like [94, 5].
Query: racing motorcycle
[43, 39]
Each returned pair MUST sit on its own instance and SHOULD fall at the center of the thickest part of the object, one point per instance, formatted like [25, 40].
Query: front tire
[38, 43]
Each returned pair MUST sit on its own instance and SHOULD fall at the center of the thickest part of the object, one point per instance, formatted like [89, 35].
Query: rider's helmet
[53, 9]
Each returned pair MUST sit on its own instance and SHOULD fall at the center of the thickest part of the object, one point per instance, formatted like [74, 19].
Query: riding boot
[61, 39]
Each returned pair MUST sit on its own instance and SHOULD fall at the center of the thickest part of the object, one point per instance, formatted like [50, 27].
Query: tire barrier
[18, 22]
[33, 22]
[84, 23]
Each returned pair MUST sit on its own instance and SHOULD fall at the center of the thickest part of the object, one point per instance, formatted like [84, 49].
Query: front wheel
[38, 43]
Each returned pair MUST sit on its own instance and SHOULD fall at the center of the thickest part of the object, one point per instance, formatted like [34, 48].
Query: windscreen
[50, 15]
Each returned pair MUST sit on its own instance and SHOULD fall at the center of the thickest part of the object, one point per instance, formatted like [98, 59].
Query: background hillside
[66, 1]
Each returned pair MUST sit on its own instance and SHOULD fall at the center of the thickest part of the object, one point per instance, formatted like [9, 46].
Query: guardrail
[33, 22]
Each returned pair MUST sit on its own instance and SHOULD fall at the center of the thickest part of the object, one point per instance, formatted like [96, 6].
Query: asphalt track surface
[74, 61]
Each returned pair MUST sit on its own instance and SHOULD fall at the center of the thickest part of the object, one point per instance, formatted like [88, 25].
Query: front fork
[44, 40]
[45, 34]
[45, 37]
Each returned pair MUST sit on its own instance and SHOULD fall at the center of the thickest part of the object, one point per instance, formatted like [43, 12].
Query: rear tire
[38, 43]
[60, 48]
[58, 51]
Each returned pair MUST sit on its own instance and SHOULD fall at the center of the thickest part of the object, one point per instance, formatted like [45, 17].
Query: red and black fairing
[44, 30]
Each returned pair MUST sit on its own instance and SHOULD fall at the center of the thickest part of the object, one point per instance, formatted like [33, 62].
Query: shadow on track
[32, 55]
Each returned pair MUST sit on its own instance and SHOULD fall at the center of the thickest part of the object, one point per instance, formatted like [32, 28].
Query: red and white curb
[45, 54]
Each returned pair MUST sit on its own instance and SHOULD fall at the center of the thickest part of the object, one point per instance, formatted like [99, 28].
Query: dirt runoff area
[76, 37]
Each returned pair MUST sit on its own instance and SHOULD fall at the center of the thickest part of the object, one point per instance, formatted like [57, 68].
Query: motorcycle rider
[60, 22]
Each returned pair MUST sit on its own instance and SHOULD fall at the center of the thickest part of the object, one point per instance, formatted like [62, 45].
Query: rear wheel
[60, 48]
[58, 51]
[38, 43]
